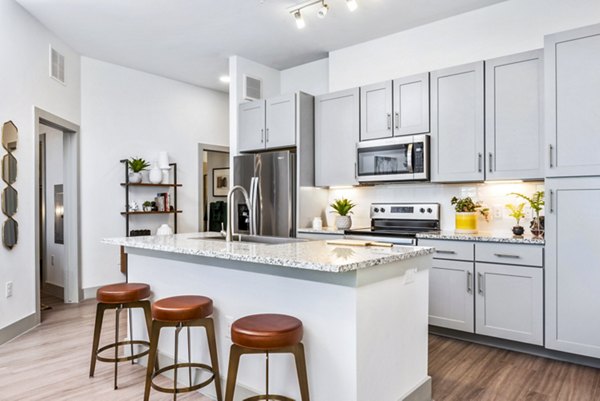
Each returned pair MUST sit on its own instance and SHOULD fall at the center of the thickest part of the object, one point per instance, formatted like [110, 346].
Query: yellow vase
[466, 223]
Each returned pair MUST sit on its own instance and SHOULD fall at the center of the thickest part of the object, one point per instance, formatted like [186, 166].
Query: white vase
[165, 229]
[156, 175]
[343, 222]
[135, 178]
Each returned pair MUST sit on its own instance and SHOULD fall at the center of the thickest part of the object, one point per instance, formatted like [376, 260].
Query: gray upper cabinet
[513, 116]
[337, 130]
[457, 124]
[411, 105]
[280, 130]
[573, 265]
[572, 100]
[251, 126]
[376, 111]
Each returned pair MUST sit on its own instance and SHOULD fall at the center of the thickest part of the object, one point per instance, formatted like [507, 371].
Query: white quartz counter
[309, 255]
[324, 231]
[507, 238]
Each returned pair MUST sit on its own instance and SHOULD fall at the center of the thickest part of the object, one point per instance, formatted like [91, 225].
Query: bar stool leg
[234, 362]
[298, 351]
[267, 374]
[189, 354]
[118, 312]
[100, 308]
[152, 357]
[214, 359]
[177, 330]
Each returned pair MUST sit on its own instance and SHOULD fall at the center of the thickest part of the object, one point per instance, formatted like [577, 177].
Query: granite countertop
[502, 237]
[324, 230]
[308, 255]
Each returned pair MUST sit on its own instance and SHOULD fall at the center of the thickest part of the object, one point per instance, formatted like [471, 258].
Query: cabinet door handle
[262, 135]
[504, 255]
[551, 155]
[469, 282]
[480, 283]
[480, 162]
[551, 201]
[397, 117]
[267, 139]
[355, 171]
[491, 158]
[389, 121]
[445, 252]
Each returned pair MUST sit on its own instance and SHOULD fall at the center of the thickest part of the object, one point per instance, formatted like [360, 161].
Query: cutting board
[355, 242]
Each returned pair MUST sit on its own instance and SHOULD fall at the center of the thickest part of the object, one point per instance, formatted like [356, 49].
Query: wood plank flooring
[51, 363]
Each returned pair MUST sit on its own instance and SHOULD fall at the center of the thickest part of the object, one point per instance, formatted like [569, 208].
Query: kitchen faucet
[231, 211]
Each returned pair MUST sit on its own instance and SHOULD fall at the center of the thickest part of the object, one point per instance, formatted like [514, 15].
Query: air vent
[252, 88]
[57, 65]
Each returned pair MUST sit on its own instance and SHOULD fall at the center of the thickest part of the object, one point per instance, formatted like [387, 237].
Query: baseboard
[90, 293]
[52, 289]
[422, 392]
[17, 328]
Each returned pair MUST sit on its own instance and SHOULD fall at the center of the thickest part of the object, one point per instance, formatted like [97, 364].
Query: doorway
[214, 182]
[57, 236]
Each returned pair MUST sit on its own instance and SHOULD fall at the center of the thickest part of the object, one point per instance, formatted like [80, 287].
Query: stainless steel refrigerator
[274, 196]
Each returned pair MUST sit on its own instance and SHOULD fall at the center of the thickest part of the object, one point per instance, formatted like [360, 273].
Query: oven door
[394, 159]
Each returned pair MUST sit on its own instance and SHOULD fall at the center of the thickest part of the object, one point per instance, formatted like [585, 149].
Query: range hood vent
[57, 65]
[252, 88]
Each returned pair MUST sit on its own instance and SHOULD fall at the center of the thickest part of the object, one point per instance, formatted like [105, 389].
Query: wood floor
[51, 363]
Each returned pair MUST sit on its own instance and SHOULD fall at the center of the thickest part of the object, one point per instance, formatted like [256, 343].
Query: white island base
[365, 330]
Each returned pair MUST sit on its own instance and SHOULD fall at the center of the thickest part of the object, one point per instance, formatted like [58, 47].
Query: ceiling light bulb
[323, 10]
[299, 20]
[352, 5]
[224, 78]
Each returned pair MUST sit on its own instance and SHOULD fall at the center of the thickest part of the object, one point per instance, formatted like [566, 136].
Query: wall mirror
[9, 136]
[10, 233]
[9, 201]
[9, 169]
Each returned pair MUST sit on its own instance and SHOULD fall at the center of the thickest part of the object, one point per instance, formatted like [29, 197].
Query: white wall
[312, 78]
[25, 83]
[504, 28]
[129, 113]
[54, 264]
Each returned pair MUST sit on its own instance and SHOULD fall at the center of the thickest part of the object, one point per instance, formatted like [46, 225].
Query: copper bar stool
[179, 312]
[119, 297]
[267, 334]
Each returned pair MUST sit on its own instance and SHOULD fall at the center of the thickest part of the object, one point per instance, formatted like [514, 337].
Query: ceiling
[191, 40]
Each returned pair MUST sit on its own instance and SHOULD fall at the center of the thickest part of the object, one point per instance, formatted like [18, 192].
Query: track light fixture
[296, 11]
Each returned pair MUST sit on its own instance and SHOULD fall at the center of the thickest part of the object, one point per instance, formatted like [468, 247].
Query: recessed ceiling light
[322, 13]
[225, 79]
[352, 5]
[299, 20]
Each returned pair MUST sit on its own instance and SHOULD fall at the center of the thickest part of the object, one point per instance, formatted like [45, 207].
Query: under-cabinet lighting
[504, 182]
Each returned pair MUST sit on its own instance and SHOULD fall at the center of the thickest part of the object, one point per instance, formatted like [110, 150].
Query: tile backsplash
[493, 195]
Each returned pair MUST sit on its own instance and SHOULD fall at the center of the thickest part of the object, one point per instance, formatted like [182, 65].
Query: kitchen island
[364, 309]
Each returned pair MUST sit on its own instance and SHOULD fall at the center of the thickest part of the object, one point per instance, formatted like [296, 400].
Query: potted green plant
[136, 165]
[147, 206]
[536, 202]
[467, 212]
[516, 212]
[343, 207]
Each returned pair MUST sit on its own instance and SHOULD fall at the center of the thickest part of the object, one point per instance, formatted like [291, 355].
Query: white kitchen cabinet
[513, 117]
[573, 265]
[411, 105]
[509, 302]
[337, 130]
[451, 295]
[572, 102]
[251, 126]
[280, 127]
[457, 124]
[376, 111]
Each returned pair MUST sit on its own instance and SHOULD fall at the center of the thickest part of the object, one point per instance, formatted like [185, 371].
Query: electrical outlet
[9, 289]
[229, 321]
[497, 211]
[409, 276]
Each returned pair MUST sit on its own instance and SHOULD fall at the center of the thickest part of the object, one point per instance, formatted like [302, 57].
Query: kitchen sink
[257, 239]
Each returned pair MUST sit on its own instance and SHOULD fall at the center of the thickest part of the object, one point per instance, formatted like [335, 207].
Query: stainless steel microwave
[404, 158]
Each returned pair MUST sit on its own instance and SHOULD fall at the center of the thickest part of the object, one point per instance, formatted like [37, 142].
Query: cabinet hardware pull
[491, 161]
[480, 283]
[267, 138]
[469, 282]
[504, 255]
[480, 162]
[262, 135]
[355, 171]
[389, 121]
[551, 155]
[397, 117]
[551, 201]
[445, 252]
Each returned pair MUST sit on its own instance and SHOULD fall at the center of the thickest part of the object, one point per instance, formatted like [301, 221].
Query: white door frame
[201, 148]
[72, 233]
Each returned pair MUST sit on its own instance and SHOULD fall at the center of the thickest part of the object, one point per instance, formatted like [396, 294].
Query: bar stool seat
[267, 334]
[179, 312]
[122, 293]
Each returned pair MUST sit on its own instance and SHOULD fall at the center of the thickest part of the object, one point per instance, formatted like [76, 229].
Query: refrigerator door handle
[253, 204]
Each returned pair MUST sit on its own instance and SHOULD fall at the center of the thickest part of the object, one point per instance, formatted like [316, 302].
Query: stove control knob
[376, 210]
[429, 210]
[422, 210]
[382, 210]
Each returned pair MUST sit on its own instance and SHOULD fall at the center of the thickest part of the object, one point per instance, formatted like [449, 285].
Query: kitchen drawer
[455, 250]
[528, 255]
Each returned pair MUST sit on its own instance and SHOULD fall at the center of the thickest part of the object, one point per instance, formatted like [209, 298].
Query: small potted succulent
[147, 206]
[136, 165]
[536, 202]
[343, 208]
[516, 212]
[467, 212]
